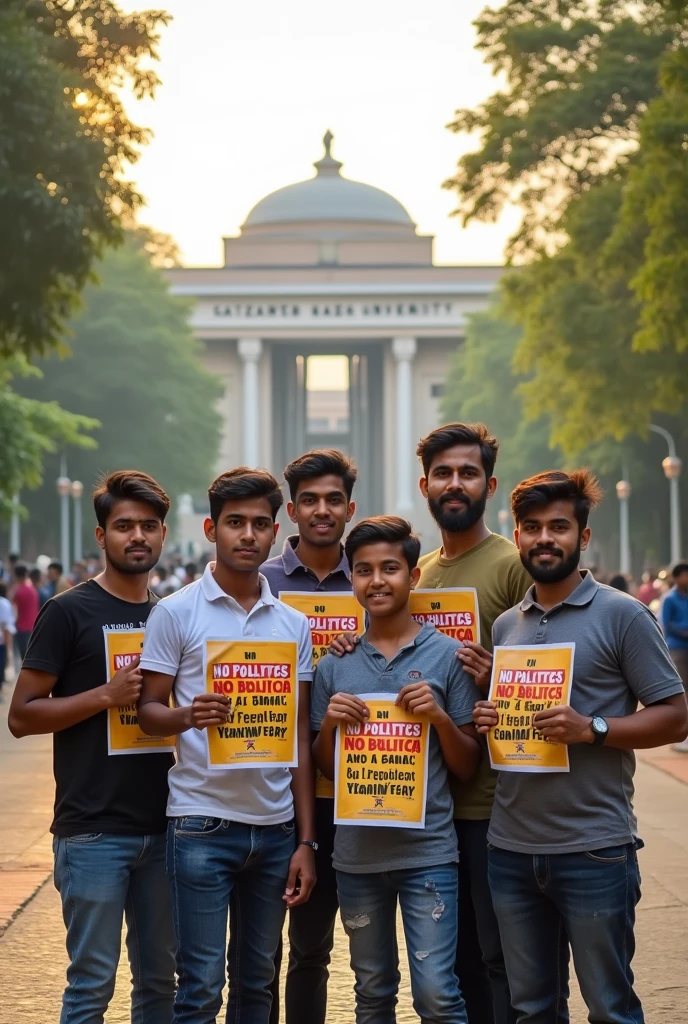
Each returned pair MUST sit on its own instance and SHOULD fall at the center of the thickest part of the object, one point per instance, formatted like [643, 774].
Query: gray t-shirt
[621, 660]
[432, 658]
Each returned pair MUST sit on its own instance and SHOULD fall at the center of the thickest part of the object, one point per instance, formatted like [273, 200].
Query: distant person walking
[7, 631]
[674, 616]
[55, 583]
[27, 604]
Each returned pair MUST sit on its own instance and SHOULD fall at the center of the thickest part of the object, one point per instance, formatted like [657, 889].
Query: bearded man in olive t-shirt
[458, 463]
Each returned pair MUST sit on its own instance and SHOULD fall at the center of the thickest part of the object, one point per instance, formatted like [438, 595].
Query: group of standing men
[547, 864]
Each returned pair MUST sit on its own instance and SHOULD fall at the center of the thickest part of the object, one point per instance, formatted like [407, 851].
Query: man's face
[456, 488]
[244, 534]
[550, 542]
[381, 578]
[682, 582]
[53, 575]
[133, 537]
[321, 511]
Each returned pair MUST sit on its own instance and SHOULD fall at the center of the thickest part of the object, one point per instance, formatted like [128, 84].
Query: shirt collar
[291, 561]
[582, 595]
[213, 591]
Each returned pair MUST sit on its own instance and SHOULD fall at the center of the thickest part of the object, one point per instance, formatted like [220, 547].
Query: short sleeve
[646, 664]
[462, 693]
[305, 652]
[52, 640]
[321, 691]
[6, 616]
[162, 642]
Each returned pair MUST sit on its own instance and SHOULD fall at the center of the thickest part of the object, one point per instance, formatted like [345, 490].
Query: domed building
[330, 267]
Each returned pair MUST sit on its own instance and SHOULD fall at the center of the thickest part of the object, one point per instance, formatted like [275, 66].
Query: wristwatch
[309, 842]
[600, 729]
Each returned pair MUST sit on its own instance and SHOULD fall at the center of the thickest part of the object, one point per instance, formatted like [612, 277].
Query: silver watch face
[599, 726]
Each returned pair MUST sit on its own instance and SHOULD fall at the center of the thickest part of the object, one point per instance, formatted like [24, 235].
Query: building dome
[328, 197]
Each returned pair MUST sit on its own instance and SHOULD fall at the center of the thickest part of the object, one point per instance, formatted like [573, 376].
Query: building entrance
[326, 399]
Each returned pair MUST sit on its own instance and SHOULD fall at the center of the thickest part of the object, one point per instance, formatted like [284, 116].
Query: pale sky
[249, 89]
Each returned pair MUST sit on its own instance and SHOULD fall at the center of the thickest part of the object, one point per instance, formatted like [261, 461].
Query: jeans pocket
[87, 837]
[288, 827]
[609, 855]
[197, 826]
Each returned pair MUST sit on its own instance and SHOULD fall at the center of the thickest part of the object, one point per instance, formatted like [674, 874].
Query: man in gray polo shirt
[378, 865]
[562, 853]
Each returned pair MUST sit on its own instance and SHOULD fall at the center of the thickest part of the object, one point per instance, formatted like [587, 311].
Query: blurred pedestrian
[190, 573]
[55, 583]
[675, 625]
[647, 591]
[165, 584]
[7, 631]
[26, 603]
[619, 582]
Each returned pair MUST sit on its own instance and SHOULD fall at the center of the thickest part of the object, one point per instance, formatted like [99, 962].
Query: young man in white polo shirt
[231, 832]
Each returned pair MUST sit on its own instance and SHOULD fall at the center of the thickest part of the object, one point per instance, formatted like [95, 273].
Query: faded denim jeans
[428, 899]
[211, 861]
[103, 879]
[589, 898]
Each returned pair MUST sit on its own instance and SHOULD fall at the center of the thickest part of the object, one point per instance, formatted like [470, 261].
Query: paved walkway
[32, 958]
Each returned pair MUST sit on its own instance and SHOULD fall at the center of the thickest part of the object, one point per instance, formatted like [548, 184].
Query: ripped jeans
[428, 899]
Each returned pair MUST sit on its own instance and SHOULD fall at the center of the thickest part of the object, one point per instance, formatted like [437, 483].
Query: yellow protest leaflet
[329, 615]
[381, 767]
[125, 736]
[453, 611]
[526, 680]
[260, 678]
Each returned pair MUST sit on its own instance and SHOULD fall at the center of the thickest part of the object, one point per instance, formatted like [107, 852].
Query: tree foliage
[134, 365]
[65, 141]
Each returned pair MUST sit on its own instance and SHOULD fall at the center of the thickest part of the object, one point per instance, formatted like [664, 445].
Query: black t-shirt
[125, 794]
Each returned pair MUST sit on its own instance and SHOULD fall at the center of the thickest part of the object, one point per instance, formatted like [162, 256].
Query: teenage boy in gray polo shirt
[562, 857]
[378, 866]
[320, 487]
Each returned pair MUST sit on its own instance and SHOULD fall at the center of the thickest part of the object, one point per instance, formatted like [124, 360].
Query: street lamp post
[672, 471]
[64, 489]
[77, 491]
[503, 517]
[623, 493]
[15, 527]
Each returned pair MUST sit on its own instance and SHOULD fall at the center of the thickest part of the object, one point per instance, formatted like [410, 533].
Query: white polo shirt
[176, 633]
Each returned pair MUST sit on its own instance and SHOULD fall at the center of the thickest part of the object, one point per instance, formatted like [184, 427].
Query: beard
[460, 519]
[556, 572]
[141, 568]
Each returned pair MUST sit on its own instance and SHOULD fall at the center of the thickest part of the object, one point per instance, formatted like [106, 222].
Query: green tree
[482, 385]
[65, 142]
[134, 365]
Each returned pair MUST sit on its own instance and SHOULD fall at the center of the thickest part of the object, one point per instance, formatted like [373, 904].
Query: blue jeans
[102, 879]
[589, 898]
[210, 861]
[479, 958]
[428, 900]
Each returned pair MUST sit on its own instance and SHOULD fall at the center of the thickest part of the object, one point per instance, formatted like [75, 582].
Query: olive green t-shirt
[493, 567]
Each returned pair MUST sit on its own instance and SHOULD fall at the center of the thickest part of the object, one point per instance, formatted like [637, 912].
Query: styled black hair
[20, 571]
[321, 462]
[129, 485]
[451, 434]
[678, 569]
[619, 582]
[580, 487]
[384, 530]
[243, 483]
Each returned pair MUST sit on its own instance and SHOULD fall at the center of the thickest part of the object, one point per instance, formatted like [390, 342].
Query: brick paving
[32, 957]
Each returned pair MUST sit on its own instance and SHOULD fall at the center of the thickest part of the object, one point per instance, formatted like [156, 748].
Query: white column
[250, 350]
[15, 527]
[403, 350]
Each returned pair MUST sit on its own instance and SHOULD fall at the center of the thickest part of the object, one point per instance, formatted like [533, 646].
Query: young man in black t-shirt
[80, 680]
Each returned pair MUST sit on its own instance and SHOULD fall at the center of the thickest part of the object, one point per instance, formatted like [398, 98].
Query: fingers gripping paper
[329, 615]
[125, 735]
[381, 767]
[526, 680]
[260, 680]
